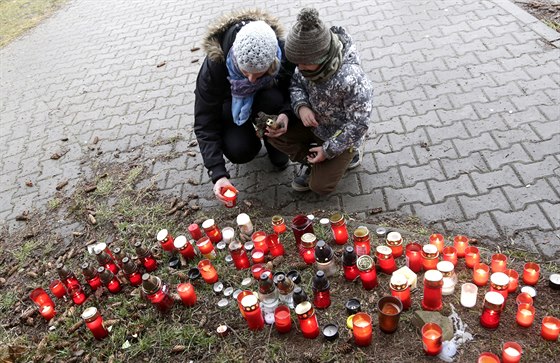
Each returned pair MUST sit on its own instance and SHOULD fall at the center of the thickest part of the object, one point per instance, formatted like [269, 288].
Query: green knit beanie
[309, 40]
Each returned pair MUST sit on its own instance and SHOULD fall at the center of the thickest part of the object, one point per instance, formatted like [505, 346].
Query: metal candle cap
[221, 245]
[193, 273]
[433, 275]
[381, 232]
[364, 263]
[89, 313]
[554, 281]
[208, 223]
[247, 282]
[228, 291]
[324, 221]
[303, 308]
[228, 259]
[308, 240]
[499, 279]
[218, 287]
[394, 238]
[398, 282]
[445, 267]
[175, 263]
[223, 303]
[295, 276]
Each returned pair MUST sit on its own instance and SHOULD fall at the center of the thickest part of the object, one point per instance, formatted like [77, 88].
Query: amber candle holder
[429, 257]
[208, 272]
[362, 242]
[550, 328]
[259, 239]
[184, 247]
[43, 302]
[57, 288]
[165, 240]
[195, 232]
[525, 315]
[110, 281]
[395, 242]
[385, 259]
[481, 273]
[94, 323]
[413, 253]
[490, 317]
[308, 241]
[513, 280]
[432, 338]
[368, 275]
[307, 320]
[449, 253]
[498, 262]
[437, 240]
[531, 272]
[278, 224]
[301, 225]
[206, 248]
[400, 289]
[338, 228]
[461, 243]
[433, 283]
[282, 319]
[362, 329]
[91, 275]
[239, 255]
[487, 357]
[275, 247]
[229, 193]
[389, 310]
[106, 261]
[253, 313]
[472, 256]
[187, 293]
[511, 352]
[131, 272]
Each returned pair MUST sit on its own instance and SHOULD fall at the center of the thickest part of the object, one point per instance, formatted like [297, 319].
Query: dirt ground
[547, 11]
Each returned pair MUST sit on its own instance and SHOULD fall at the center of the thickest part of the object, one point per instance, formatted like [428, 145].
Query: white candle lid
[249, 300]
[433, 275]
[494, 298]
[228, 291]
[398, 279]
[180, 242]
[228, 232]
[162, 235]
[445, 266]
[101, 246]
[208, 223]
[555, 278]
[89, 313]
[394, 236]
[246, 281]
[499, 278]
[303, 307]
[223, 303]
[324, 221]
[243, 218]
[530, 290]
[384, 250]
[429, 248]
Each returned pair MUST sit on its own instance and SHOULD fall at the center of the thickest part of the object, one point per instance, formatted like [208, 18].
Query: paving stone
[544, 148]
[496, 158]
[521, 196]
[373, 181]
[449, 209]
[484, 181]
[450, 187]
[529, 218]
[538, 169]
[399, 197]
[401, 157]
[478, 204]
[481, 227]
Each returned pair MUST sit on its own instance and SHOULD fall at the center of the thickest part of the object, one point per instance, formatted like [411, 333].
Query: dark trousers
[241, 143]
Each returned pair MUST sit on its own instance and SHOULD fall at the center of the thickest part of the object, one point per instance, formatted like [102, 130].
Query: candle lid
[530, 290]
[364, 263]
[381, 232]
[247, 282]
[223, 303]
[324, 221]
[218, 287]
[180, 242]
[353, 306]
[393, 237]
[445, 267]
[193, 273]
[208, 223]
[336, 217]
[308, 240]
[221, 245]
[89, 313]
[294, 276]
[494, 298]
[383, 250]
[235, 246]
[554, 281]
[249, 301]
[303, 307]
[228, 291]
[499, 278]
[330, 331]
[433, 275]
[430, 249]
[228, 259]
[350, 322]
[162, 235]
[398, 282]
[174, 262]
[242, 219]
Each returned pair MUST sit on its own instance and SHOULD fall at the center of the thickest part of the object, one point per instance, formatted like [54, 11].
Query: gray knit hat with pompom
[255, 47]
[309, 40]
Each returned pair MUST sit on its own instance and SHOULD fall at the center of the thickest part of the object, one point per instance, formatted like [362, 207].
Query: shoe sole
[300, 188]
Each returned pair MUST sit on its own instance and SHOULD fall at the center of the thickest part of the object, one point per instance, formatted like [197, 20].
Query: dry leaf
[178, 349]
[62, 184]
[92, 219]
[194, 49]
[161, 64]
[29, 183]
[191, 153]
[95, 140]
[90, 188]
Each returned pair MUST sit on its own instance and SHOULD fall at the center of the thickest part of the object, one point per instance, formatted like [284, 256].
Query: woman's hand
[316, 155]
[307, 116]
[282, 126]
[221, 183]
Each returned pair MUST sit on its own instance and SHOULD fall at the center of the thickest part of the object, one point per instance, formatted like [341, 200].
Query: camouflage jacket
[342, 104]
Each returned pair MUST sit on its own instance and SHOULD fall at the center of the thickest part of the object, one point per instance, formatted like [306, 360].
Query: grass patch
[25, 251]
[54, 203]
[7, 301]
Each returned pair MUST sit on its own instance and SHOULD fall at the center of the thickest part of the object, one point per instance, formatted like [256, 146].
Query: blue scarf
[242, 90]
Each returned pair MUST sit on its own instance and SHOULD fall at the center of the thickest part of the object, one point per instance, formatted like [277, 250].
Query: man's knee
[320, 187]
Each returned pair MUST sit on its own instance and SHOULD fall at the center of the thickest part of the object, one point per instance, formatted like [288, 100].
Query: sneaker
[356, 160]
[301, 181]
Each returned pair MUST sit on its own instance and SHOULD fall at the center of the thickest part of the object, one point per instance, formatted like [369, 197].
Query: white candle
[245, 224]
[228, 234]
[469, 293]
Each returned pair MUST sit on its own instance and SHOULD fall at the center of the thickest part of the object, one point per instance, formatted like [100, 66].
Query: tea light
[429, 257]
[395, 242]
[490, 317]
[525, 315]
[460, 243]
[94, 322]
[554, 281]
[208, 271]
[186, 293]
[385, 258]
[278, 224]
[437, 240]
[244, 223]
[307, 320]
[433, 282]
[413, 256]
[513, 280]
[229, 193]
[480, 274]
[432, 338]
[511, 352]
[330, 332]
[282, 319]
[222, 330]
[57, 288]
[531, 273]
[165, 239]
[498, 262]
[524, 298]
[469, 293]
[228, 234]
[218, 287]
[472, 256]
[450, 254]
[362, 329]
[338, 227]
[253, 314]
[257, 256]
[389, 310]
[488, 357]
[550, 328]
[43, 302]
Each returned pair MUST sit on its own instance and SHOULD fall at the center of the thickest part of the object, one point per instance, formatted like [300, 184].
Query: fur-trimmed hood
[214, 39]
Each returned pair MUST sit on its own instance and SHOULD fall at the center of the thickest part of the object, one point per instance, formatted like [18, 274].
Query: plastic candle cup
[212, 231]
[449, 277]
[511, 352]
[244, 223]
[259, 239]
[437, 240]
[368, 275]
[338, 227]
[253, 312]
[256, 270]
[469, 294]
[184, 247]
[229, 193]
[429, 257]
[460, 243]
[239, 255]
[349, 259]
[228, 235]
[395, 242]
[94, 322]
[513, 280]
[282, 319]
[43, 302]
[165, 240]
[301, 225]
[275, 247]
[195, 232]
[362, 329]
[432, 338]
[257, 255]
[433, 283]
[353, 306]
[77, 294]
[278, 224]
[413, 256]
[488, 357]
[385, 258]
[362, 242]
[480, 274]
[525, 315]
[307, 248]
[550, 328]
[400, 289]
[240, 297]
[389, 310]
[498, 262]
[57, 288]
[207, 271]
[490, 317]
[307, 320]
[206, 248]
[499, 282]
[186, 293]
[472, 256]
[450, 254]
[531, 273]
[524, 298]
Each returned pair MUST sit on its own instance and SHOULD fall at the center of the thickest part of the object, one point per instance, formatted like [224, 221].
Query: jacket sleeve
[358, 107]
[212, 88]
[298, 93]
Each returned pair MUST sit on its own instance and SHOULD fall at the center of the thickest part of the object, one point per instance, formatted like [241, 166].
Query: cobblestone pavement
[465, 133]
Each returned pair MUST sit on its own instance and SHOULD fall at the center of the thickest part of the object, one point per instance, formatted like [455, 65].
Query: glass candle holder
[282, 319]
[131, 272]
[469, 294]
[195, 232]
[395, 243]
[525, 315]
[432, 338]
[338, 228]
[278, 224]
[300, 226]
[184, 247]
[212, 231]
[299, 295]
[531, 272]
[321, 291]
[285, 286]
[433, 283]
[362, 329]
[361, 239]
[229, 193]
[43, 302]
[109, 280]
[349, 259]
[206, 248]
[58, 289]
[275, 247]
[106, 261]
[207, 271]
[490, 317]
[487, 357]
[499, 282]
[257, 256]
[449, 253]
[118, 255]
[157, 292]
[429, 257]
[472, 256]
[187, 293]
[244, 223]
[368, 275]
[239, 255]
[511, 352]
[437, 240]
[253, 313]
[307, 320]
[91, 276]
[524, 298]
[307, 248]
[389, 310]
[449, 277]
[413, 256]
[256, 270]
[165, 240]
[259, 239]
[94, 323]
[240, 297]
[498, 262]
[461, 243]
[385, 259]
[401, 289]
[513, 280]
[550, 328]
[77, 294]
[145, 257]
[324, 258]
[481, 273]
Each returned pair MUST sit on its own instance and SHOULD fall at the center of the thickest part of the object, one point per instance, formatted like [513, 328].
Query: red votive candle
[77, 294]
[481, 273]
[157, 292]
[256, 270]
[525, 315]
[57, 288]
[307, 320]
[206, 248]
[253, 312]
[349, 259]
[472, 256]
[488, 357]
[362, 329]
[511, 352]
[301, 225]
[437, 240]
[307, 248]
[413, 256]
[450, 254]
[186, 293]
[368, 275]
[498, 262]
[278, 224]
[499, 282]
[431, 338]
[282, 319]
[429, 257]
[275, 247]
[184, 247]
[395, 242]
[91, 275]
[524, 298]
[550, 328]
[401, 290]
[239, 255]
[338, 227]
[385, 259]
[109, 280]
[362, 243]
[513, 280]
[195, 232]
[212, 231]
[490, 317]
[461, 243]
[531, 273]
[94, 322]
[230, 195]
[207, 271]
[165, 239]
[259, 239]
[257, 255]
[43, 302]
[131, 272]
[145, 257]
[433, 283]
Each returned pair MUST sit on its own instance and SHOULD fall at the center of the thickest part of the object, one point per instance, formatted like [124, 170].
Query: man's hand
[307, 116]
[316, 155]
[221, 183]
[282, 126]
